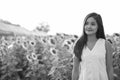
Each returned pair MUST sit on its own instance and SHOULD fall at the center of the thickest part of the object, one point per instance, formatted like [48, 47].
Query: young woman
[93, 54]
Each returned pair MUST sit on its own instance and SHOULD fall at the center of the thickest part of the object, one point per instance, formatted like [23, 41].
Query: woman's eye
[93, 24]
[86, 23]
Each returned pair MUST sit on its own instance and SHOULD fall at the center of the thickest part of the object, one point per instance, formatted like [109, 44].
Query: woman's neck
[91, 38]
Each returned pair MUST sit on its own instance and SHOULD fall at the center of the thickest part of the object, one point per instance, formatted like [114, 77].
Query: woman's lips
[89, 30]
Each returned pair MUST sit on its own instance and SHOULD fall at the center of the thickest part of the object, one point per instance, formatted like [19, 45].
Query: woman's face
[91, 26]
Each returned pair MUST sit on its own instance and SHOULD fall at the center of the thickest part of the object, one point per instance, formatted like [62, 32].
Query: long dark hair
[82, 41]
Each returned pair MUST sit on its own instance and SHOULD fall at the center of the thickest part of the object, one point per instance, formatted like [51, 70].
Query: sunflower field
[43, 57]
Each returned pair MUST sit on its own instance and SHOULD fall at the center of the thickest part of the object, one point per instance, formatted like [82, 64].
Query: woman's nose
[88, 26]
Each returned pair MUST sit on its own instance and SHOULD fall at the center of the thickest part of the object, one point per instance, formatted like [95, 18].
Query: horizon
[65, 16]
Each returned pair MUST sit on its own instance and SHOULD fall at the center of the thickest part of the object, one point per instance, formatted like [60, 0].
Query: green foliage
[43, 58]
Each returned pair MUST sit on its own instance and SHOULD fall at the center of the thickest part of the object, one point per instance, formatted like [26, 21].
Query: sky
[63, 16]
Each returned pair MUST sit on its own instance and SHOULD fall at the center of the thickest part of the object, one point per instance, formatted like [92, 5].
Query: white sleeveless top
[93, 64]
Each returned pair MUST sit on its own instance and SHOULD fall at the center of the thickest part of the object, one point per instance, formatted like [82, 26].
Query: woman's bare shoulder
[108, 46]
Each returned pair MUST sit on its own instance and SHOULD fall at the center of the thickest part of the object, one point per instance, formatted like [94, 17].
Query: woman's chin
[90, 33]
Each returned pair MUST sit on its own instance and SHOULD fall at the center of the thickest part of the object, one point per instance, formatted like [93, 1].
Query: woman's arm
[109, 60]
[75, 71]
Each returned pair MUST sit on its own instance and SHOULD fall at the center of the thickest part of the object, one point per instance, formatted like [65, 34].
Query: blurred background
[37, 37]
[63, 16]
